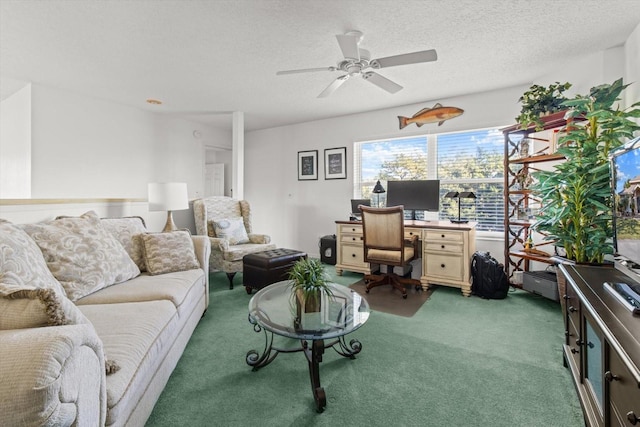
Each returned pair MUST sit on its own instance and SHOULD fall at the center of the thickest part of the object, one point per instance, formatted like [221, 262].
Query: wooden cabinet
[602, 347]
[446, 251]
[446, 258]
[521, 246]
[349, 249]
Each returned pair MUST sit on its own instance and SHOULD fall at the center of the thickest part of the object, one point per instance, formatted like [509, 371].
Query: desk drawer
[350, 228]
[410, 232]
[445, 266]
[444, 246]
[352, 255]
[351, 238]
[442, 235]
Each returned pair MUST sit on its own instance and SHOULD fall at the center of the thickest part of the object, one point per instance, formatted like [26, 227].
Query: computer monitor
[357, 202]
[421, 195]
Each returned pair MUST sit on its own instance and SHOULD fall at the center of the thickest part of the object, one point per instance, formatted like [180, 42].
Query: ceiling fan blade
[334, 85]
[405, 59]
[305, 70]
[381, 82]
[349, 45]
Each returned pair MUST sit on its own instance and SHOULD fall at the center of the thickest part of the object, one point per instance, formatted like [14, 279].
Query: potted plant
[308, 283]
[576, 197]
[540, 101]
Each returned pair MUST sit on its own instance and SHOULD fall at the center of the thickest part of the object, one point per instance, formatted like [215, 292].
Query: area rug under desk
[389, 300]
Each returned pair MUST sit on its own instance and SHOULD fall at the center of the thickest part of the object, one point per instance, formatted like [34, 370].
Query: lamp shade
[467, 195]
[378, 188]
[168, 196]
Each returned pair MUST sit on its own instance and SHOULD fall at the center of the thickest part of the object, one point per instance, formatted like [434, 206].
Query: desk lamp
[168, 196]
[462, 195]
[377, 190]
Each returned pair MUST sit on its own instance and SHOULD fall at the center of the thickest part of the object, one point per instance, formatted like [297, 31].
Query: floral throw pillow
[231, 229]
[22, 265]
[127, 231]
[30, 296]
[81, 254]
[169, 252]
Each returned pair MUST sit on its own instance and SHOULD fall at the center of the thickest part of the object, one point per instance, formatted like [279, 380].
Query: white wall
[15, 145]
[87, 147]
[297, 213]
[632, 67]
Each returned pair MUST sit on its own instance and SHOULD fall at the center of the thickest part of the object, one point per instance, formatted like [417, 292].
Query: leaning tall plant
[576, 195]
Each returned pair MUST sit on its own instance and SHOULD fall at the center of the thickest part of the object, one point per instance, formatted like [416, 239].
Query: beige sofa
[55, 340]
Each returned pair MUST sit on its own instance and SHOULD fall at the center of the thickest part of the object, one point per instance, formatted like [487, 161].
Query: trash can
[328, 249]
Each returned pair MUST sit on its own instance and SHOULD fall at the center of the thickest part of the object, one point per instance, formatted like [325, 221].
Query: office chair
[385, 244]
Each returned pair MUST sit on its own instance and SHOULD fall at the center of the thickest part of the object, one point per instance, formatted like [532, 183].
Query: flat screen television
[419, 195]
[625, 168]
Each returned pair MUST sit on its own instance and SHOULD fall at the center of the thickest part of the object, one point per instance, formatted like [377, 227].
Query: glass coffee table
[273, 311]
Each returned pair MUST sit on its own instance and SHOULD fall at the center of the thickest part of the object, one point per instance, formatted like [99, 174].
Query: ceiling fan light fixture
[356, 61]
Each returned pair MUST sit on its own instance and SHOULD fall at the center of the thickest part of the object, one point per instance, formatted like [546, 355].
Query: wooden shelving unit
[520, 203]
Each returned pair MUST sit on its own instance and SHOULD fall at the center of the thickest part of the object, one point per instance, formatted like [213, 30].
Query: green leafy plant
[309, 282]
[576, 211]
[539, 101]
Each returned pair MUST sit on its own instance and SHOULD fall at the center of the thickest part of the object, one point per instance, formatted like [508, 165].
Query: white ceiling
[211, 57]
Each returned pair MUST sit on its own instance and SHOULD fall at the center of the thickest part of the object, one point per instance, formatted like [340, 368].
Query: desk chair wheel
[367, 290]
[418, 287]
[404, 296]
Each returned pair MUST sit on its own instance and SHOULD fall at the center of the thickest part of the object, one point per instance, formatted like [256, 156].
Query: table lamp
[461, 195]
[377, 190]
[168, 196]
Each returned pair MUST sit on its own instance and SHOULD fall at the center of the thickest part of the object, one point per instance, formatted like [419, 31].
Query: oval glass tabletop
[275, 309]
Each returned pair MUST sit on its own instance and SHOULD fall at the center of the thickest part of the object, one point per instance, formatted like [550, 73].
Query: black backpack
[488, 277]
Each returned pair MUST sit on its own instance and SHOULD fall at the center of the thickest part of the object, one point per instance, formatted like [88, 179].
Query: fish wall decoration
[436, 114]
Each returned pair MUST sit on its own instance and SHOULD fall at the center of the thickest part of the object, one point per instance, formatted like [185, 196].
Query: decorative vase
[306, 305]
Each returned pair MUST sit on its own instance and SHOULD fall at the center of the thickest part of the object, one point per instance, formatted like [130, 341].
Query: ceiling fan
[357, 60]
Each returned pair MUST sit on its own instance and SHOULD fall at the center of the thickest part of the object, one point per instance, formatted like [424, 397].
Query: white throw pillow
[127, 231]
[231, 229]
[81, 254]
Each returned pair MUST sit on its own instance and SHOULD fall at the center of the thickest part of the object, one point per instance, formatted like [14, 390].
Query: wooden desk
[446, 250]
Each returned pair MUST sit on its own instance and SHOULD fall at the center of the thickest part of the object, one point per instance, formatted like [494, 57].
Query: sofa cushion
[232, 229]
[127, 230]
[169, 252]
[81, 254]
[174, 287]
[138, 335]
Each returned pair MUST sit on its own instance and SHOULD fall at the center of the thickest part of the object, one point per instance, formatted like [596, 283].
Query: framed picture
[335, 163]
[307, 165]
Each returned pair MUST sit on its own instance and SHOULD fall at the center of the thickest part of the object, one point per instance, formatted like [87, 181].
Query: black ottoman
[260, 269]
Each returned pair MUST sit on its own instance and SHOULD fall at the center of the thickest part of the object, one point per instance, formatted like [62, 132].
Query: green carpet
[457, 361]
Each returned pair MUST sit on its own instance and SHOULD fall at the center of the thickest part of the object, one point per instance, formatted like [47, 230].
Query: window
[462, 161]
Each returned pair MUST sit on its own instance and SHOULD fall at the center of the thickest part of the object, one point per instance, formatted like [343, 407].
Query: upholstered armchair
[227, 222]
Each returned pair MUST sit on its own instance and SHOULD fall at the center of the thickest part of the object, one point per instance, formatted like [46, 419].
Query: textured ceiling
[213, 57]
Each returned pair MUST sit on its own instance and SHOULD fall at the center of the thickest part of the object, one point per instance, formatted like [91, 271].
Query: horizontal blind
[473, 161]
[462, 161]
